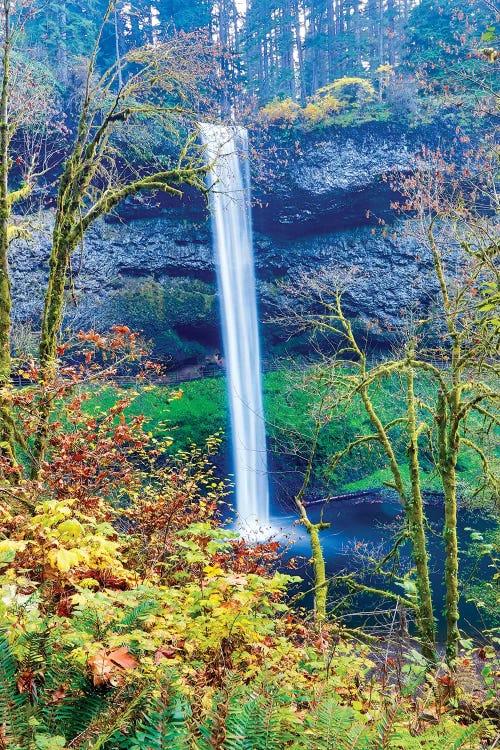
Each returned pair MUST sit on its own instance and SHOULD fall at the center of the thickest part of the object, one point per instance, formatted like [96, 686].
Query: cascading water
[229, 180]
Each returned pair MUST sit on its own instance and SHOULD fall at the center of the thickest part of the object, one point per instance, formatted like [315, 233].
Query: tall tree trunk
[237, 56]
[373, 25]
[315, 72]
[447, 464]
[405, 11]
[117, 46]
[314, 529]
[7, 432]
[265, 70]
[391, 31]
[340, 23]
[224, 56]
[357, 35]
[416, 518]
[319, 567]
[413, 507]
[51, 324]
[62, 52]
[286, 49]
[331, 34]
[300, 53]
[380, 32]
[5, 301]
[448, 419]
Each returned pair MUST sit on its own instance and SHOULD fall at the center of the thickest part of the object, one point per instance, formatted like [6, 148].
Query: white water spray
[229, 179]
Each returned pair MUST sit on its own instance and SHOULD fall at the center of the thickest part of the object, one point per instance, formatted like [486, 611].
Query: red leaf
[164, 652]
[121, 329]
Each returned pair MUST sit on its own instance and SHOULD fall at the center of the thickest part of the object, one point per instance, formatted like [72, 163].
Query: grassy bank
[193, 411]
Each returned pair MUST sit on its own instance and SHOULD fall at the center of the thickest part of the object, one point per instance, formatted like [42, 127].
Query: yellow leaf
[11, 545]
[89, 583]
[212, 571]
[71, 529]
[64, 559]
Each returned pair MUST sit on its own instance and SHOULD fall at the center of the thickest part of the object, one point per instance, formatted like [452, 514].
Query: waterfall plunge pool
[365, 527]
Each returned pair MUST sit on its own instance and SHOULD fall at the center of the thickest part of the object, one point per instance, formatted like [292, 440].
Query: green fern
[14, 706]
[60, 705]
[163, 727]
[133, 618]
[244, 723]
[466, 737]
[107, 725]
[244, 718]
[448, 734]
[82, 715]
[385, 728]
[333, 727]
[77, 705]
[78, 711]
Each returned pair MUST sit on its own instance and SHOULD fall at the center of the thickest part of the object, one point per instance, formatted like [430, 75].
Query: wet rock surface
[319, 211]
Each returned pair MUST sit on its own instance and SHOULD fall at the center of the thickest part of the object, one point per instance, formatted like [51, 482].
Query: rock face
[114, 254]
[391, 273]
[313, 211]
[337, 179]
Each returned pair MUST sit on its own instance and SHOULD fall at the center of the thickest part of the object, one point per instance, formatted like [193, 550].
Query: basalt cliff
[321, 202]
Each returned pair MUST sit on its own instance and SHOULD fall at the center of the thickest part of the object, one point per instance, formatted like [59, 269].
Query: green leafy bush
[131, 618]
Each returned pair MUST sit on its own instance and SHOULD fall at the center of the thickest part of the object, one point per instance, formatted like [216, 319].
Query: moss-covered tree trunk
[5, 302]
[413, 505]
[51, 324]
[448, 417]
[151, 86]
[448, 452]
[416, 520]
[319, 568]
[69, 230]
[313, 529]
[7, 436]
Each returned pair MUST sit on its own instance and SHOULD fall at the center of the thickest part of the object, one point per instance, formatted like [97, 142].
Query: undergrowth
[132, 618]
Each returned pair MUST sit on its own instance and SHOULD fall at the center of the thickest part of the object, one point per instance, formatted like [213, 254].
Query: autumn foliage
[123, 589]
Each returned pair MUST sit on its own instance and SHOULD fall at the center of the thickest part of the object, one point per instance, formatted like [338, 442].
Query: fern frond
[112, 716]
[385, 728]
[78, 710]
[244, 723]
[331, 726]
[468, 734]
[165, 727]
[14, 706]
[133, 618]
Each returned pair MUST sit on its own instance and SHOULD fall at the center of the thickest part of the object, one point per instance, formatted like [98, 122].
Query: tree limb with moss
[157, 88]
[465, 385]
[21, 98]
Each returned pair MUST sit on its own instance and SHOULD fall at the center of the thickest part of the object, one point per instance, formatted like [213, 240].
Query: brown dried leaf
[105, 664]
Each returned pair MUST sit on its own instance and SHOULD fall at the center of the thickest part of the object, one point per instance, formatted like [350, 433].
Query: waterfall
[229, 180]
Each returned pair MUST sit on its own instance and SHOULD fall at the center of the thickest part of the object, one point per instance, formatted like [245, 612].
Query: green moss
[202, 410]
[163, 311]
